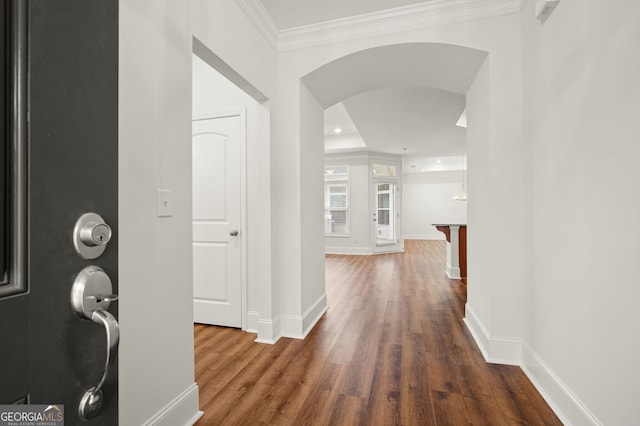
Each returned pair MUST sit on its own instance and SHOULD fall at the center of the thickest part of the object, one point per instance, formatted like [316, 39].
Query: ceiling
[408, 116]
[295, 13]
[409, 120]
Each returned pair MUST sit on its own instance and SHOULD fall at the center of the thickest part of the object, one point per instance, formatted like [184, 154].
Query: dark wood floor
[391, 350]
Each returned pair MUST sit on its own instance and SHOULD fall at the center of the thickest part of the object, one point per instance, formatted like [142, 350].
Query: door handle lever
[92, 400]
[91, 296]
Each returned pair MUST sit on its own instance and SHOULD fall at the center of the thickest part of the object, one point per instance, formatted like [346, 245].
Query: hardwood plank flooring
[391, 350]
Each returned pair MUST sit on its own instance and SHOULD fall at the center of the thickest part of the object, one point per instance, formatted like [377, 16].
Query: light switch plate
[165, 203]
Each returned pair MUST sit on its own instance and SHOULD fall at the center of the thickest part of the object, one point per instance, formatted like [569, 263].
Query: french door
[386, 215]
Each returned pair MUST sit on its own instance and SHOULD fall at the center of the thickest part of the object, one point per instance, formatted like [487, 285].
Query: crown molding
[391, 21]
[381, 23]
[261, 19]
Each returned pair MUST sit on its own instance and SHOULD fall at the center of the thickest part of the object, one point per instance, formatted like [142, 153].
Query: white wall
[497, 249]
[213, 92]
[497, 231]
[479, 210]
[156, 297]
[227, 32]
[428, 199]
[538, 187]
[223, 27]
[313, 296]
[155, 309]
[582, 103]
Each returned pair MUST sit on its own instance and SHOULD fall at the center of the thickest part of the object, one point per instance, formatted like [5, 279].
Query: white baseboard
[183, 410]
[452, 273]
[431, 237]
[252, 321]
[264, 329]
[313, 314]
[567, 406]
[297, 327]
[495, 349]
[499, 350]
[267, 332]
[348, 250]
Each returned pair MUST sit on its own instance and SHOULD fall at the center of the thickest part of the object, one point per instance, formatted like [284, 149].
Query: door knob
[234, 233]
[91, 295]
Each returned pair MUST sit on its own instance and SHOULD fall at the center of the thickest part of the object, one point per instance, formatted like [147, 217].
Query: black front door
[59, 158]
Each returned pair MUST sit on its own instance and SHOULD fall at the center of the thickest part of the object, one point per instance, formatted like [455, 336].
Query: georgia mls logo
[31, 415]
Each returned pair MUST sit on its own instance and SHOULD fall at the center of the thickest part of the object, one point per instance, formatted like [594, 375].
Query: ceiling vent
[544, 8]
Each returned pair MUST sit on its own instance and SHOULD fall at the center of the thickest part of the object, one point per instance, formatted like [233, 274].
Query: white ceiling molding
[262, 20]
[391, 21]
[401, 19]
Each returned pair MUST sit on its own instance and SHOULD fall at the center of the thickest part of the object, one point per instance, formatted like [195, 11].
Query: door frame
[395, 245]
[242, 113]
[398, 181]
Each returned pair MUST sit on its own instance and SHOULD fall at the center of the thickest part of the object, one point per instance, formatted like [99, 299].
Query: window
[384, 170]
[336, 201]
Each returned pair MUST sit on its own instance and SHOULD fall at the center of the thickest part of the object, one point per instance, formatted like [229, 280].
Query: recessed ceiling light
[438, 161]
[337, 130]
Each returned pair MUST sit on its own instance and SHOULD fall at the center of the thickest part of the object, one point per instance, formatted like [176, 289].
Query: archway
[444, 67]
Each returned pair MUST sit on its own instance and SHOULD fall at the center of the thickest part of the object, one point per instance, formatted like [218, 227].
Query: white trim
[453, 273]
[395, 249]
[298, 327]
[218, 113]
[243, 215]
[183, 410]
[567, 406]
[348, 250]
[430, 237]
[267, 332]
[314, 313]
[391, 21]
[264, 328]
[242, 114]
[495, 349]
[291, 326]
[381, 23]
[502, 350]
[252, 321]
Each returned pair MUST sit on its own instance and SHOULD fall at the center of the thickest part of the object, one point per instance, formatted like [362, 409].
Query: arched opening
[435, 70]
[439, 66]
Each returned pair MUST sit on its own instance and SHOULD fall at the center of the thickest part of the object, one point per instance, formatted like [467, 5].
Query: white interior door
[217, 212]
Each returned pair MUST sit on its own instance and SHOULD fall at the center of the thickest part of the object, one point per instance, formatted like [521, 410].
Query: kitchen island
[456, 235]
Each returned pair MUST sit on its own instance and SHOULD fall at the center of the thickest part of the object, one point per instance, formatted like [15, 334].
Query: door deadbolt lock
[95, 234]
[91, 235]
